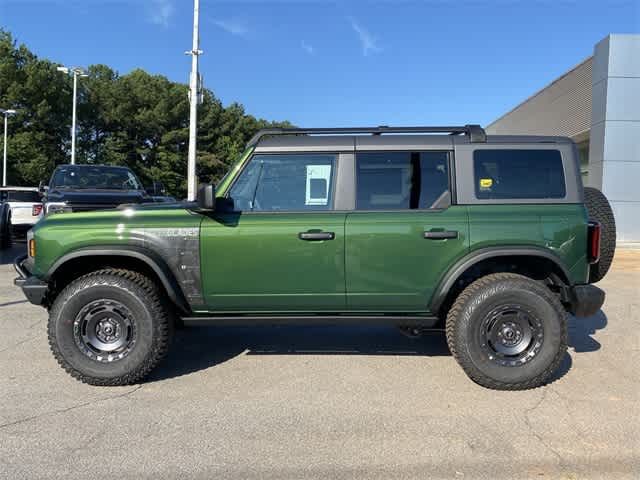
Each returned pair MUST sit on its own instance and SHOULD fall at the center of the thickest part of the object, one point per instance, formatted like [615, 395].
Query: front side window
[402, 180]
[518, 174]
[289, 182]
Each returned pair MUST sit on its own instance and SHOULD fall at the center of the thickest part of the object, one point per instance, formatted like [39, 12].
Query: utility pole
[194, 99]
[6, 114]
[73, 119]
[76, 72]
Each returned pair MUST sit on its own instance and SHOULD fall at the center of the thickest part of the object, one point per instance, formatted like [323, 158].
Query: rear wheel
[109, 327]
[600, 210]
[507, 332]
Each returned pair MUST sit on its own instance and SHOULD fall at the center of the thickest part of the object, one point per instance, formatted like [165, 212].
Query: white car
[25, 205]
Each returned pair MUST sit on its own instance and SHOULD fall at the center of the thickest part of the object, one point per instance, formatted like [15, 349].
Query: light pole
[76, 72]
[6, 114]
[194, 99]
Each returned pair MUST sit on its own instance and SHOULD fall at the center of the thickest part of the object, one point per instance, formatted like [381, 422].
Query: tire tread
[599, 209]
[123, 278]
[456, 311]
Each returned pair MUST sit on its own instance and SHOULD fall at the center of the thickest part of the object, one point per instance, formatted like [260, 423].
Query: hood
[95, 196]
[113, 221]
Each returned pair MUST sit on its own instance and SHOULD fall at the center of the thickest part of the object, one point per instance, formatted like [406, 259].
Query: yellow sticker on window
[486, 183]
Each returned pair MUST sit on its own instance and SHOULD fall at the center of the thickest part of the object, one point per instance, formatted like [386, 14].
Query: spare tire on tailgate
[600, 210]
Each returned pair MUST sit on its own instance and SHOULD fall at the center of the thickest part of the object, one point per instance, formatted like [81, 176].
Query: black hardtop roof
[475, 132]
[324, 137]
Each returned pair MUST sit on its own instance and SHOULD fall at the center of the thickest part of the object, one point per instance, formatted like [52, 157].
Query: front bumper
[21, 229]
[33, 288]
[585, 300]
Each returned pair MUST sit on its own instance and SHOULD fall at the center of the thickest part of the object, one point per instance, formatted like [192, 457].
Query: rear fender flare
[455, 272]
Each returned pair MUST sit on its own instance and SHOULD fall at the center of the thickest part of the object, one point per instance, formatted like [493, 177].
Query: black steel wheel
[511, 335]
[507, 332]
[105, 330]
[109, 327]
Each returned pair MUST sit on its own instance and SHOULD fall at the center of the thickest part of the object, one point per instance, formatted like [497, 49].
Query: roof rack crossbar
[475, 132]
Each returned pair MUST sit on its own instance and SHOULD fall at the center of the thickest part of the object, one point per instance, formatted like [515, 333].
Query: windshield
[224, 182]
[104, 178]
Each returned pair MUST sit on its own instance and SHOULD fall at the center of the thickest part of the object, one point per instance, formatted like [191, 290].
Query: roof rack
[475, 132]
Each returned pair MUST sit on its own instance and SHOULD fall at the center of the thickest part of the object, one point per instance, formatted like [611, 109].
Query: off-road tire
[138, 294]
[6, 232]
[474, 304]
[600, 210]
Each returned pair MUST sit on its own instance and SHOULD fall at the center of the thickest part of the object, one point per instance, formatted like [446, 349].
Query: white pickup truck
[25, 209]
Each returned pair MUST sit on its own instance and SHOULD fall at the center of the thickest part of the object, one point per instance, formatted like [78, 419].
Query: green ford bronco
[490, 238]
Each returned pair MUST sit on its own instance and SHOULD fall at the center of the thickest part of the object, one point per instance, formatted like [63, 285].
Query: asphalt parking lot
[258, 403]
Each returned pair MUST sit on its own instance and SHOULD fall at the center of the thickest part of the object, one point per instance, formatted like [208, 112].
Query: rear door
[405, 230]
[281, 249]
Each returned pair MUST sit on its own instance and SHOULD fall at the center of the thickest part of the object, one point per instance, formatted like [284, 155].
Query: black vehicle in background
[79, 188]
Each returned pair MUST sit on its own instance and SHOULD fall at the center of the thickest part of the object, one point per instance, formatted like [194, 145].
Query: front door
[282, 248]
[404, 231]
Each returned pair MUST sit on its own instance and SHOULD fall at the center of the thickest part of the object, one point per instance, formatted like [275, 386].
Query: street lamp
[76, 72]
[6, 114]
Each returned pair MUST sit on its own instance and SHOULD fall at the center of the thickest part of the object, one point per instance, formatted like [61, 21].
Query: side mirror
[159, 187]
[224, 204]
[156, 189]
[206, 197]
[42, 187]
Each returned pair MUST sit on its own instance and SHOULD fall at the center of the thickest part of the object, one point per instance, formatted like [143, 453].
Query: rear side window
[402, 180]
[518, 174]
[20, 196]
[293, 182]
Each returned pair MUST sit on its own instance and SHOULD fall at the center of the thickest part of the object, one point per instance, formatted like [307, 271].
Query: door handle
[440, 234]
[316, 236]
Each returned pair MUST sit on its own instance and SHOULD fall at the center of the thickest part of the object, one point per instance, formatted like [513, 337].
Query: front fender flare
[150, 258]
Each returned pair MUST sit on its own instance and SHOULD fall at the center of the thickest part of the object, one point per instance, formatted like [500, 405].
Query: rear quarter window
[518, 174]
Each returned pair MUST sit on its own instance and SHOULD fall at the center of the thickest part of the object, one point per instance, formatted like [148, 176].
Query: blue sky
[321, 63]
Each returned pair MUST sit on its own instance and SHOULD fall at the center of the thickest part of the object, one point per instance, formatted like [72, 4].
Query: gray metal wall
[598, 102]
[561, 108]
[614, 150]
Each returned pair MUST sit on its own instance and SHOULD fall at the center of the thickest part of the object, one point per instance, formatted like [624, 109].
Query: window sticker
[486, 183]
[317, 190]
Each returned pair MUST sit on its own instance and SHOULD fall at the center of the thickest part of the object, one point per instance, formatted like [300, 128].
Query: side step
[254, 320]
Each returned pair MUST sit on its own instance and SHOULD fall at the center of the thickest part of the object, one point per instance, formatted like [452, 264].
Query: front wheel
[507, 332]
[109, 327]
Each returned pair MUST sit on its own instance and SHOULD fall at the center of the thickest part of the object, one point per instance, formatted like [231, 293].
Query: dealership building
[597, 104]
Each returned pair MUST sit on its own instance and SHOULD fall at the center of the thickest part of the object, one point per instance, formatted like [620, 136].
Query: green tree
[39, 132]
[138, 120]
